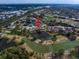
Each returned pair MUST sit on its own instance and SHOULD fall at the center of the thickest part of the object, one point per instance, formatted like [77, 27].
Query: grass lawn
[55, 48]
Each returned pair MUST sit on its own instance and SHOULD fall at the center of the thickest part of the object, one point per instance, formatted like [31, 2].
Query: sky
[40, 1]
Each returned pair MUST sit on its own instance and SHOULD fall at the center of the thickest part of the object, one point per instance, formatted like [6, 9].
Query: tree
[71, 36]
[0, 29]
[15, 31]
[59, 54]
[77, 52]
[54, 38]
[23, 32]
[14, 53]
[38, 31]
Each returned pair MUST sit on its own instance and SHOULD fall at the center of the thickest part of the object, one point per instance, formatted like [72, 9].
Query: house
[61, 29]
[43, 26]
[30, 27]
[55, 28]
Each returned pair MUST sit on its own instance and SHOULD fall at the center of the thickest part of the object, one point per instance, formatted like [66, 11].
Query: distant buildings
[9, 14]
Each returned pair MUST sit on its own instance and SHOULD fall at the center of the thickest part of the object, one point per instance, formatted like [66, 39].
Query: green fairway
[55, 48]
[37, 47]
[65, 45]
[50, 17]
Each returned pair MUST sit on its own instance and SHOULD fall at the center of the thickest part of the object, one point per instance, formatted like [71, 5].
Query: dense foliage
[14, 53]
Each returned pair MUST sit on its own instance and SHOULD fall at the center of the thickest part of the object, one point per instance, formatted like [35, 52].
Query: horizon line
[40, 3]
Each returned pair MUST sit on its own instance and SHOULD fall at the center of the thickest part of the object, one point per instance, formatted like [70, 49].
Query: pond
[42, 35]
